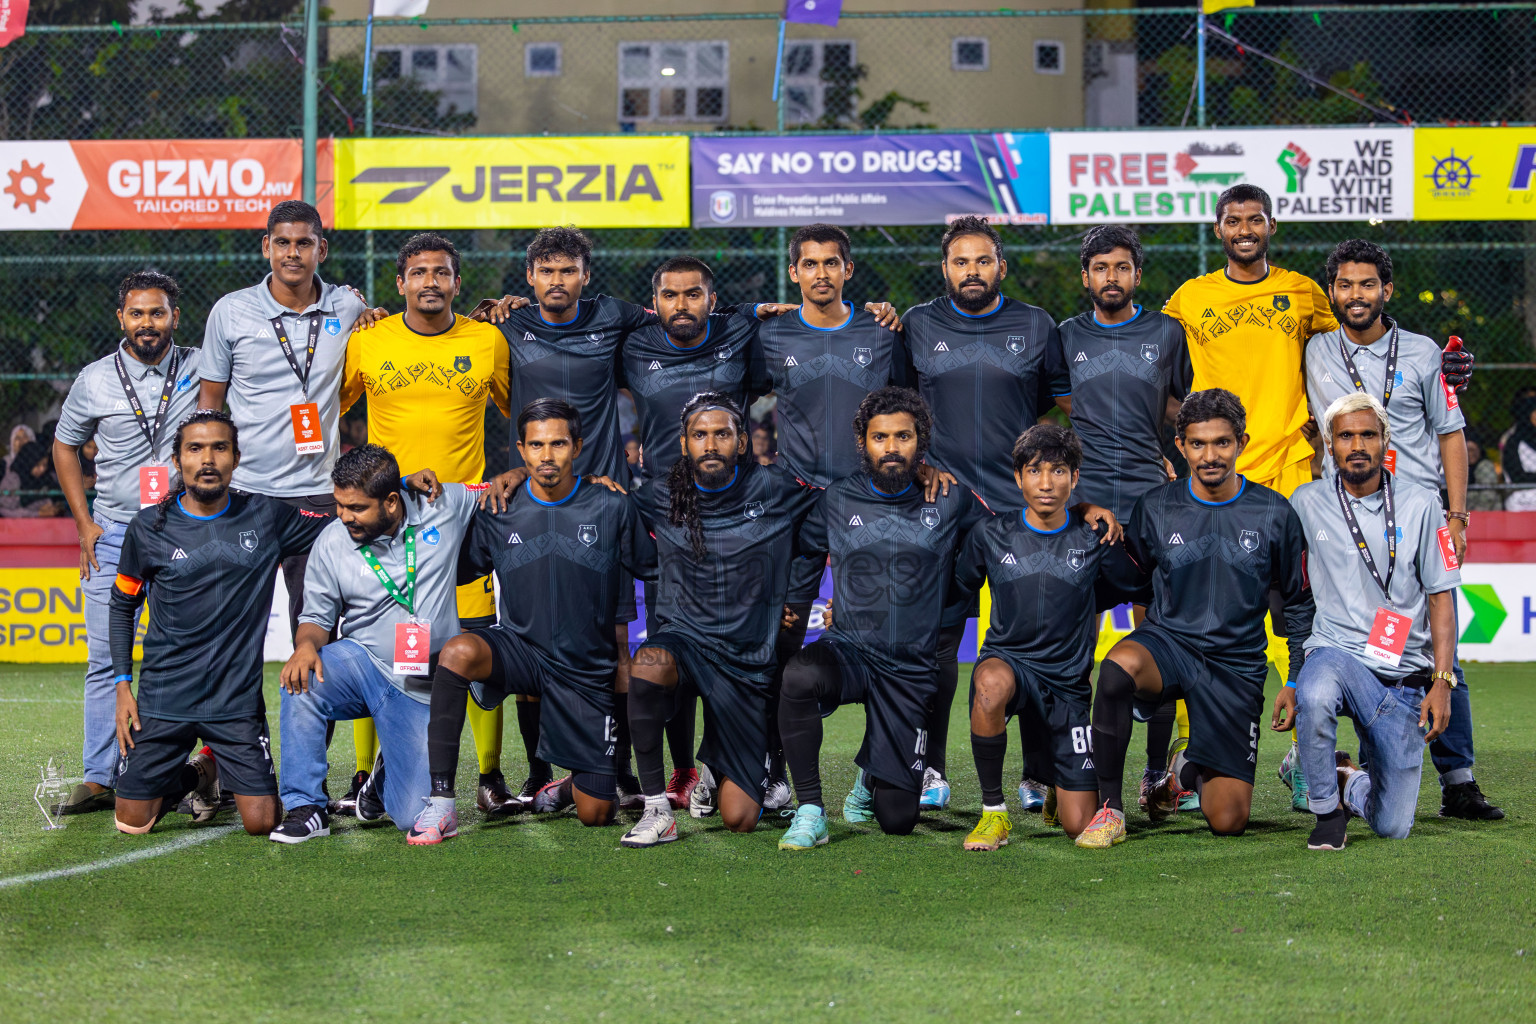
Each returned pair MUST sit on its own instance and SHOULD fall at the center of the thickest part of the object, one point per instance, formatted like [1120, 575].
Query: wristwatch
[1449, 677]
[1465, 517]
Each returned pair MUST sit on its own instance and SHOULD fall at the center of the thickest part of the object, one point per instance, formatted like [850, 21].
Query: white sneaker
[701, 802]
[778, 795]
[656, 826]
[206, 797]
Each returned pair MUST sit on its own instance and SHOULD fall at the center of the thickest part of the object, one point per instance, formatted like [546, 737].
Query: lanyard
[405, 598]
[1354, 373]
[287, 347]
[150, 430]
[1359, 538]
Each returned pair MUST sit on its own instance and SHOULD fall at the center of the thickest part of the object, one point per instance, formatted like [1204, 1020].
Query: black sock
[1189, 776]
[1159, 735]
[895, 809]
[647, 721]
[528, 728]
[1024, 745]
[680, 732]
[1112, 731]
[944, 698]
[789, 643]
[449, 707]
[989, 752]
[184, 782]
[621, 744]
[800, 726]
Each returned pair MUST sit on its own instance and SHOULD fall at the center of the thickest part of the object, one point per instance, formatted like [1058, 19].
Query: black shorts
[1058, 742]
[576, 726]
[735, 743]
[1120, 581]
[1225, 701]
[895, 747]
[805, 580]
[242, 748]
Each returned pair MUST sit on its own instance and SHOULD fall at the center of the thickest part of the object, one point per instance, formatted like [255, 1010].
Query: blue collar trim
[709, 326]
[1241, 487]
[839, 327]
[977, 316]
[716, 490]
[528, 486]
[1112, 327]
[568, 323]
[882, 494]
[194, 515]
[1044, 533]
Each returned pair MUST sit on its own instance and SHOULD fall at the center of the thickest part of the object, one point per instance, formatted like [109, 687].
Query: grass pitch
[541, 919]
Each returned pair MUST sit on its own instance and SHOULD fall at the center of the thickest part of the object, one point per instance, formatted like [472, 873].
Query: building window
[449, 71]
[674, 80]
[819, 78]
[969, 54]
[1050, 57]
[541, 60]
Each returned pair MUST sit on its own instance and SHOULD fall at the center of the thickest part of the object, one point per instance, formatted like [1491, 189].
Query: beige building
[601, 76]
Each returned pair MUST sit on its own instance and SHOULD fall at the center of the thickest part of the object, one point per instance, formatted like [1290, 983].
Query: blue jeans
[99, 752]
[1387, 722]
[354, 688]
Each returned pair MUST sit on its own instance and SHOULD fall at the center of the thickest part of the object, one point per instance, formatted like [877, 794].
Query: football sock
[1159, 735]
[1112, 731]
[895, 809]
[528, 728]
[365, 739]
[789, 643]
[800, 723]
[680, 731]
[989, 752]
[944, 699]
[449, 703]
[485, 727]
[621, 744]
[647, 721]
[1189, 776]
[184, 782]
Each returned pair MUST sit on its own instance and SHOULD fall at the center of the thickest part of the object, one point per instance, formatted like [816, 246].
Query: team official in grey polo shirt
[385, 575]
[130, 402]
[1383, 572]
[276, 352]
[1428, 449]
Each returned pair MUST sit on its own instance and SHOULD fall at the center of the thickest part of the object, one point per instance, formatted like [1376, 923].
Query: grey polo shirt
[1346, 595]
[1420, 410]
[339, 585]
[97, 406]
[239, 347]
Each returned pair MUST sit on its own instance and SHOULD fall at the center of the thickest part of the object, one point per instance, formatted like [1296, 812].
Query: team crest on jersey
[248, 540]
[595, 337]
[929, 517]
[1149, 353]
[431, 536]
[1076, 557]
[587, 533]
[462, 363]
[752, 509]
[723, 353]
[184, 383]
[1015, 343]
[1249, 539]
[863, 356]
[332, 326]
[1282, 302]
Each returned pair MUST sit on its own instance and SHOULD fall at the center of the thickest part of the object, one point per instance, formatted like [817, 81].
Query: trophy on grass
[50, 792]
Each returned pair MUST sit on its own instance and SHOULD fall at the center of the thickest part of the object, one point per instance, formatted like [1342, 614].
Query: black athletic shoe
[1328, 833]
[347, 805]
[531, 786]
[493, 797]
[631, 798]
[370, 796]
[1465, 800]
[307, 821]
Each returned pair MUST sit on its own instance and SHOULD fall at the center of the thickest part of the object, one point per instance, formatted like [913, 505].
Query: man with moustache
[130, 402]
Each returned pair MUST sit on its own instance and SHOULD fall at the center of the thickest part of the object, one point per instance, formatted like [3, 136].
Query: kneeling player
[892, 559]
[725, 538]
[1044, 565]
[557, 551]
[209, 558]
[1215, 543]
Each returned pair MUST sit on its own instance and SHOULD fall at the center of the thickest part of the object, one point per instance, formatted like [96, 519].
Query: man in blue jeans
[130, 401]
[385, 573]
[1383, 571]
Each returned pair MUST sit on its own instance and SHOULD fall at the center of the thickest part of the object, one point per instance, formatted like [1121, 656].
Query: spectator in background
[762, 444]
[10, 479]
[20, 435]
[1484, 476]
[1518, 450]
[632, 451]
[354, 431]
[33, 466]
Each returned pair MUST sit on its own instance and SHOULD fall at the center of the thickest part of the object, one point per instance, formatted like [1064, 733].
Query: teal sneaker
[808, 829]
[859, 805]
[1291, 774]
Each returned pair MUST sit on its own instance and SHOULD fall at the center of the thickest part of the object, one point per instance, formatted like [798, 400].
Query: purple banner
[870, 179]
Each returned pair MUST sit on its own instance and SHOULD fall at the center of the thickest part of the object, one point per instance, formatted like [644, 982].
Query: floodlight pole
[778, 120]
[1201, 231]
[368, 253]
[311, 93]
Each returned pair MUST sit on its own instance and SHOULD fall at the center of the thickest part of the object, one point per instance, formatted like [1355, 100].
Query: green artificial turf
[540, 919]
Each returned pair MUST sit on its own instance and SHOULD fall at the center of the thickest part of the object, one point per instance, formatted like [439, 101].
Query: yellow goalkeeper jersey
[427, 392]
[1248, 338]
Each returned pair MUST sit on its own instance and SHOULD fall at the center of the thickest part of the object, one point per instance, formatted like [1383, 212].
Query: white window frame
[954, 53]
[528, 69]
[686, 78]
[1061, 50]
[447, 91]
[811, 80]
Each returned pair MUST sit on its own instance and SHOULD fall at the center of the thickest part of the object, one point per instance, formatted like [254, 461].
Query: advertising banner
[869, 179]
[626, 181]
[154, 184]
[1475, 173]
[1175, 176]
[1497, 606]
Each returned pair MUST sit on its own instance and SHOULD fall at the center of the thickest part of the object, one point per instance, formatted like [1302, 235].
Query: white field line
[179, 843]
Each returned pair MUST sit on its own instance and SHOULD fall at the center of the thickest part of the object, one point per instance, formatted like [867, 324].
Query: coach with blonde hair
[1383, 568]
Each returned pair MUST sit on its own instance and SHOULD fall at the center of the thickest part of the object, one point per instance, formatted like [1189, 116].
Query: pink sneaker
[437, 821]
